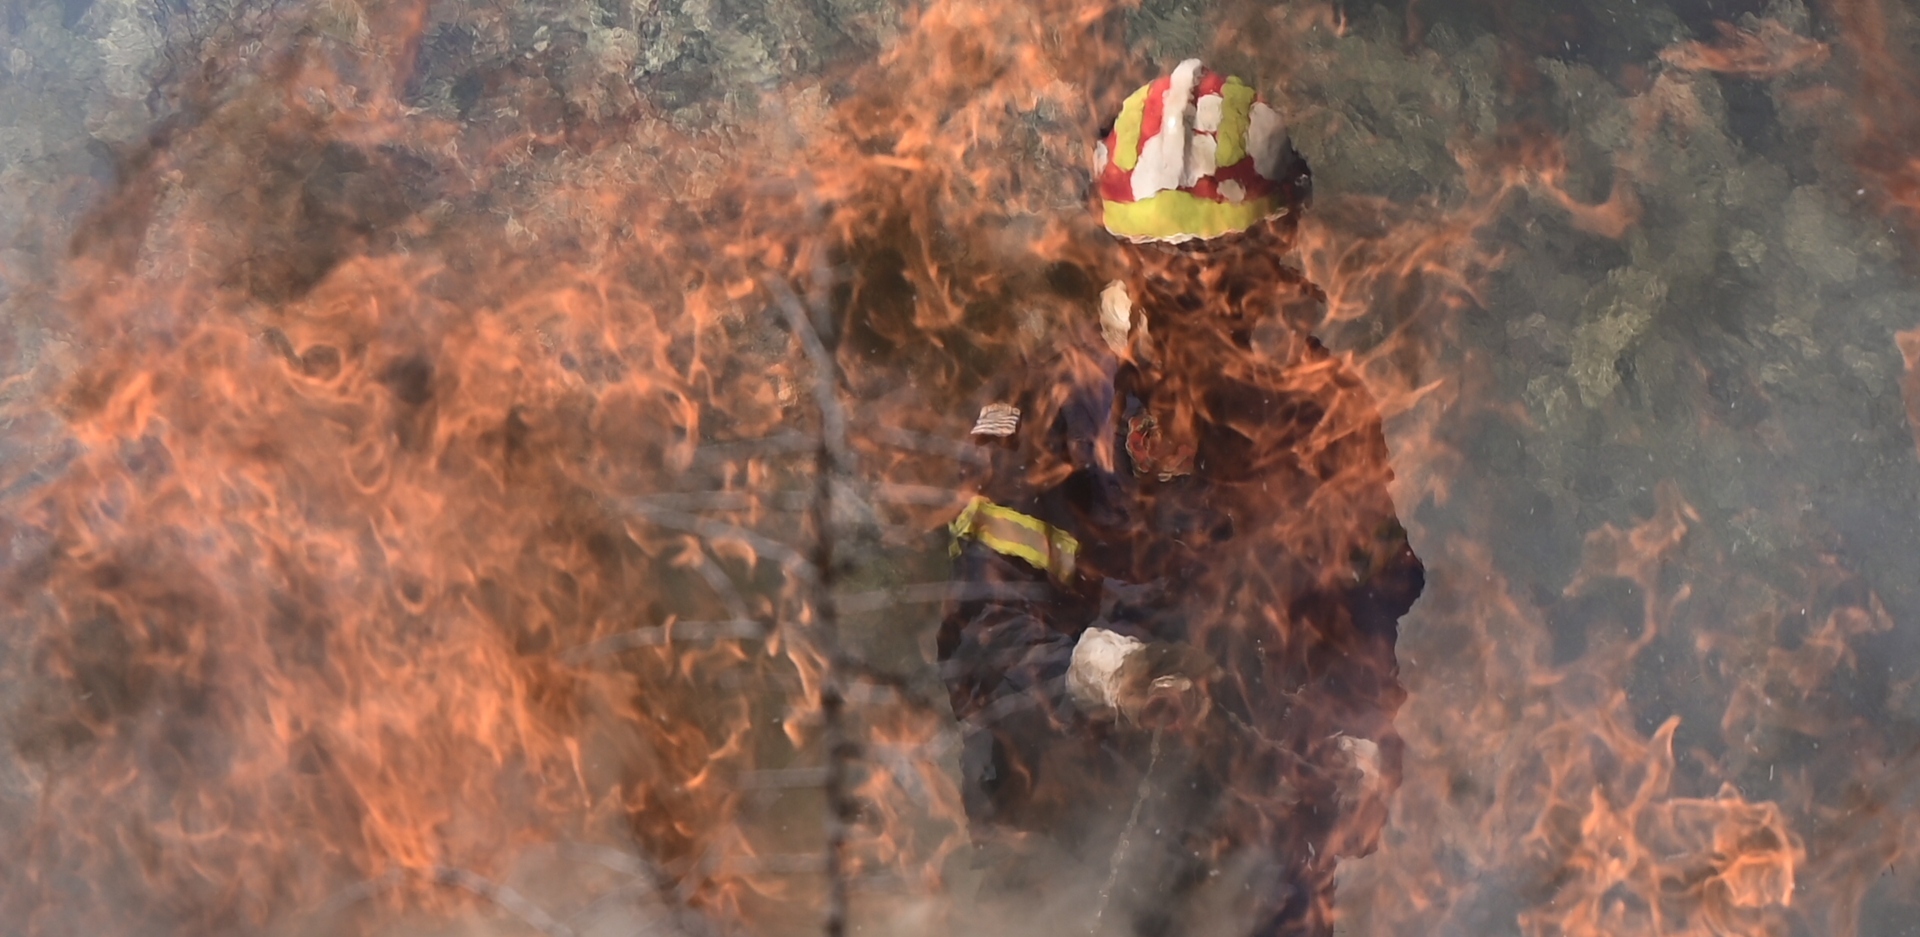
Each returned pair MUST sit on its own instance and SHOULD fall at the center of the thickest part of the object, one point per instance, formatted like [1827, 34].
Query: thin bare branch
[505, 897]
[832, 459]
[826, 396]
[687, 632]
[722, 585]
[798, 500]
[720, 453]
[788, 557]
[931, 445]
[922, 593]
[508, 899]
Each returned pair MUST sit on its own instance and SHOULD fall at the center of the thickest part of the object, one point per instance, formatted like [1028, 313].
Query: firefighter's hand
[1363, 792]
[1157, 684]
[1355, 766]
[1163, 685]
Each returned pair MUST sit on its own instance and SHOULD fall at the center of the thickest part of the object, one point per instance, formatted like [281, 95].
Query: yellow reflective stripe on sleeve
[1011, 533]
[1009, 536]
[962, 526]
[1126, 130]
[1066, 550]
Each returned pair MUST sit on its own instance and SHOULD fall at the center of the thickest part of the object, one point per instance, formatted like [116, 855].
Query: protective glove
[1154, 685]
[1362, 788]
[1355, 766]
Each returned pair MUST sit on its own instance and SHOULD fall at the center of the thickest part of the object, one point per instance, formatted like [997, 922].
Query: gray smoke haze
[511, 414]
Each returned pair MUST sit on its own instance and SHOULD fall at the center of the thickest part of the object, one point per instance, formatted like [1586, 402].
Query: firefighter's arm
[1001, 652]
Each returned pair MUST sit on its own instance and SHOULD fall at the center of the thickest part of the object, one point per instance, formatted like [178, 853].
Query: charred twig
[781, 444]
[922, 593]
[1253, 736]
[999, 709]
[903, 764]
[508, 899]
[874, 686]
[826, 396]
[722, 586]
[505, 897]
[743, 629]
[780, 778]
[881, 686]
[932, 445]
[1124, 848]
[789, 558]
[803, 864]
[619, 860]
[357, 892]
[701, 501]
[649, 883]
[703, 865]
[630, 892]
[720, 453]
[797, 500]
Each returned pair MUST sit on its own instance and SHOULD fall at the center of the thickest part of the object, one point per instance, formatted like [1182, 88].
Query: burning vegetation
[489, 468]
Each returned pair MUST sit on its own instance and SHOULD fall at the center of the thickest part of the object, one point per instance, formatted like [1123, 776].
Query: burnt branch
[831, 458]
[792, 560]
[505, 897]
[701, 632]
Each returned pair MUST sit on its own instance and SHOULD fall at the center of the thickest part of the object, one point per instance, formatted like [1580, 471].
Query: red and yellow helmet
[1195, 155]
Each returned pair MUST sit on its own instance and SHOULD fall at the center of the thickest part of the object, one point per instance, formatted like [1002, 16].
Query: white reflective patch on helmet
[1100, 156]
[1233, 191]
[1207, 113]
[1266, 139]
[1163, 157]
[1201, 162]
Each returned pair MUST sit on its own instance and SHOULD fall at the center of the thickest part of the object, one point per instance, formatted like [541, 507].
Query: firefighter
[1174, 659]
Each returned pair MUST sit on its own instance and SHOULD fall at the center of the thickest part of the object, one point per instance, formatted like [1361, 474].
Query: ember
[496, 468]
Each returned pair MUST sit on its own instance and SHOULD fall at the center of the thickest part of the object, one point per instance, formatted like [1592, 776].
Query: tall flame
[525, 507]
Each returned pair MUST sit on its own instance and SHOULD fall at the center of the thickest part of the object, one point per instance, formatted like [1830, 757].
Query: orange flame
[439, 491]
[1767, 50]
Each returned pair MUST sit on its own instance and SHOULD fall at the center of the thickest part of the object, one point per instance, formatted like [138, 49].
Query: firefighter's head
[1196, 158]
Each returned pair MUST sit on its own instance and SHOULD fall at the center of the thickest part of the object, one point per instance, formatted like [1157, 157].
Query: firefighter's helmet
[1195, 155]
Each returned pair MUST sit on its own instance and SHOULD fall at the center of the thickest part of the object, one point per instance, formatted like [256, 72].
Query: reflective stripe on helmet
[1177, 216]
[1237, 102]
[1126, 130]
[1163, 152]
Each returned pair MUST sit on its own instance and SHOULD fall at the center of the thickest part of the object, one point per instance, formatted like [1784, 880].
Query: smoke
[413, 506]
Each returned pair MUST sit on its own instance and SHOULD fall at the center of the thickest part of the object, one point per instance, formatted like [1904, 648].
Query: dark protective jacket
[1278, 554]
